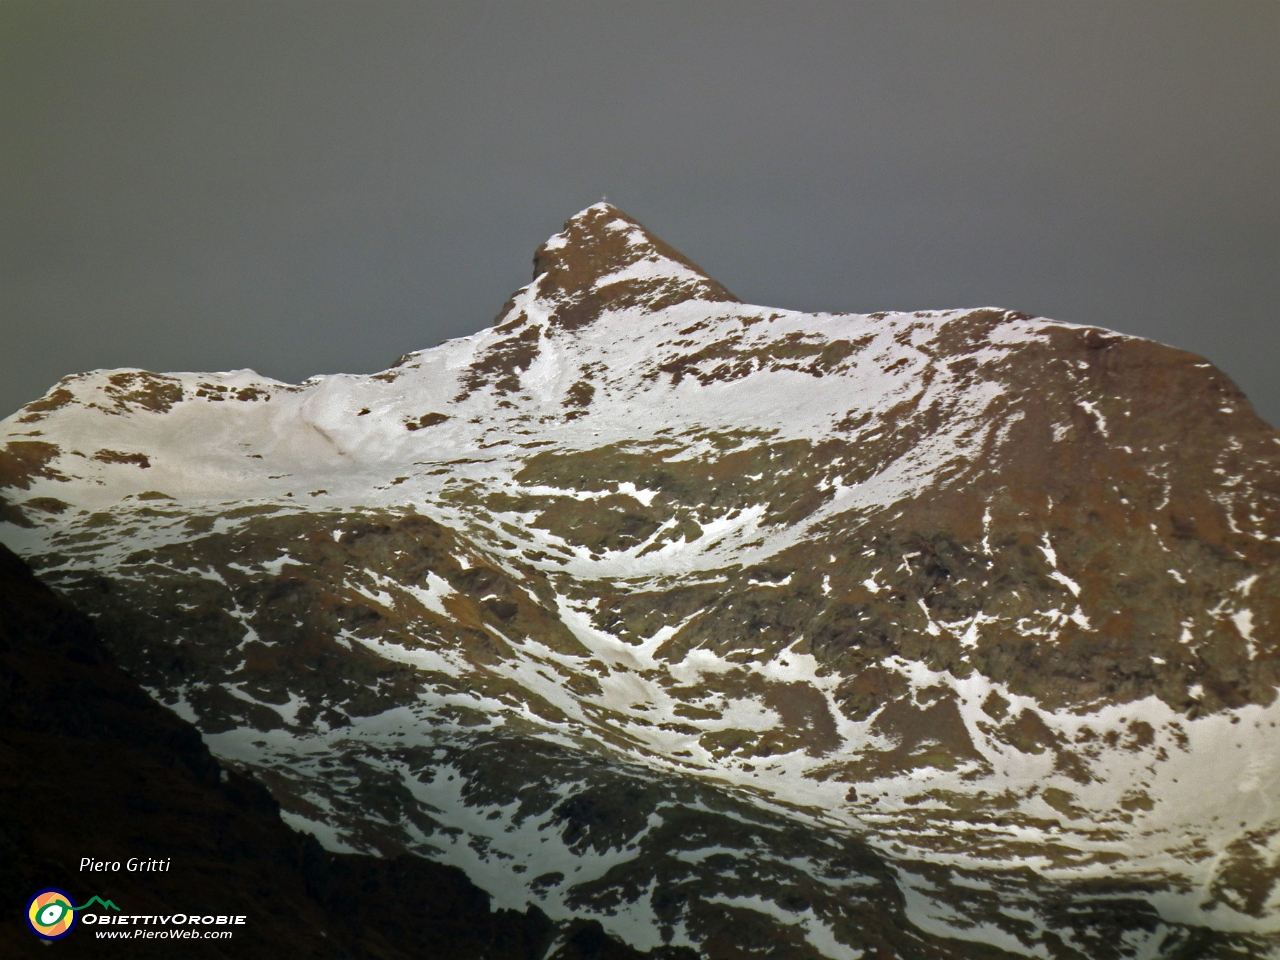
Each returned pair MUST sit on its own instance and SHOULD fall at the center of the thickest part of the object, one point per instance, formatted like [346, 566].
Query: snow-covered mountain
[951, 633]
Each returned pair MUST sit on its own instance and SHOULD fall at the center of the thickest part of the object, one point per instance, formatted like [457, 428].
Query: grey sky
[311, 187]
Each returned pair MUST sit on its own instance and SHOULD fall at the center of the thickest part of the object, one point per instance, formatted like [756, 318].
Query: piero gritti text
[132, 865]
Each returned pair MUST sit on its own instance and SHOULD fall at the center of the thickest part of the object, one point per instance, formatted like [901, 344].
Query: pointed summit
[605, 260]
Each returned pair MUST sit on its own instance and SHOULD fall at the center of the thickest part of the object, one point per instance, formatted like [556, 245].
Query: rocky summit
[938, 634]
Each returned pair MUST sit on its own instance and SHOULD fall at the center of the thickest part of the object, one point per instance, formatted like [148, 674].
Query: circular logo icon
[50, 914]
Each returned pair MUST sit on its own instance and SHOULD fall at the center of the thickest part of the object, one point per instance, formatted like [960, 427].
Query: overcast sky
[318, 186]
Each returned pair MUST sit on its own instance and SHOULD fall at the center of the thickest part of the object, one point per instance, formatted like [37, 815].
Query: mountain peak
[603, 259]
[955, 609]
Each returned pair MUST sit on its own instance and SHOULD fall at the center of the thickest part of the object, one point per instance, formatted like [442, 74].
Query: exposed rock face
[730, 626]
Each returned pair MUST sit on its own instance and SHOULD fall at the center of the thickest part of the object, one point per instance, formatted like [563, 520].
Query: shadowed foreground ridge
[731, 627]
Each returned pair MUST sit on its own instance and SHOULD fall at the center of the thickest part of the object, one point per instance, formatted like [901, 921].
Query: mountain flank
[93, 766]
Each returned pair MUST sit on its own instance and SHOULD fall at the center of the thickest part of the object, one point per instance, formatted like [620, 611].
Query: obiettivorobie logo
[51, 915]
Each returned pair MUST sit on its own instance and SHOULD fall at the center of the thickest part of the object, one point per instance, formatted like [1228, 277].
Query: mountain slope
[91, 765]
[995, 595]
